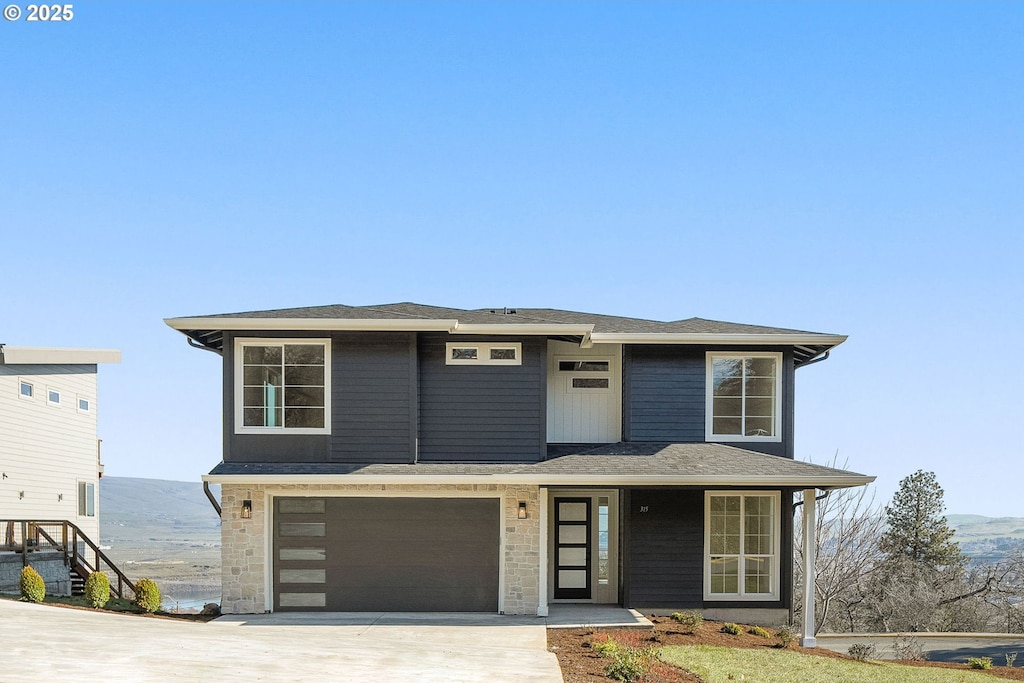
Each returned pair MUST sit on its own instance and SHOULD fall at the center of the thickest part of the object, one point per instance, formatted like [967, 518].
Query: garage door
[386, 554]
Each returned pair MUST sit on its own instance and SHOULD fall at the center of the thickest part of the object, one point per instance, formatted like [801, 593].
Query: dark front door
[572, 549]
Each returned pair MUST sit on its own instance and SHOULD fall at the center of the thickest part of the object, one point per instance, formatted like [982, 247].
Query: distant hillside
[163, 530]
[987, 539]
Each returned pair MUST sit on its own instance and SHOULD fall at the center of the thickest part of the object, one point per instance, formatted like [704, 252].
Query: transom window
[744, 397]
[83, 405]
[53, 397]
[26, 389]
[282, 385]
[741, 546]
[491, 353]
[585, 374]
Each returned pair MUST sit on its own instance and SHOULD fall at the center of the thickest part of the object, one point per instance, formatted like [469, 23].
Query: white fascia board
[348, 324]
[39, 355]
[546, 480]
[739, 339]
[524, 328]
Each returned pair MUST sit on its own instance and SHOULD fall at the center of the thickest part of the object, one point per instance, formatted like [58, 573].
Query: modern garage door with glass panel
[386, 554]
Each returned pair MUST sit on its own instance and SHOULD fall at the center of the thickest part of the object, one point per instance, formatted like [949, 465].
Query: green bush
[862, 652]
[31, 585]
[979, 662]
[1011, 657]
[732, 629]
[147, 595]
[604, 648]
[690, 620]
[785, 635]
[758, 631]
[630, 664]
[97, 589]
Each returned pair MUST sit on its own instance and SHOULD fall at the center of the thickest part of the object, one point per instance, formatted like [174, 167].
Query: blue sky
[852, 168]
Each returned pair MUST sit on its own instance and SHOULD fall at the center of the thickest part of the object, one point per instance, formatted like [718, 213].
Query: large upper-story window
[282, 386]
[741, 545]
[744, 399]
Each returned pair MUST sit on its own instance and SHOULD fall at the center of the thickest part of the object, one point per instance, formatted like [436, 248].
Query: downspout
[195, 345]
[815, 360]
[209, 494]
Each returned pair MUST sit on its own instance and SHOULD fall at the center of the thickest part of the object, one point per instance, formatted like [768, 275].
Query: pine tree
[917, 528]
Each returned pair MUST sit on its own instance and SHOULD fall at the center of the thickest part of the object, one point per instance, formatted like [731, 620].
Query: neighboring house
[49, 451]
[409, 457]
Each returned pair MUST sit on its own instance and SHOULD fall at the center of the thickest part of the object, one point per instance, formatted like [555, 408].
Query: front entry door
[572, 549]
[584, 564]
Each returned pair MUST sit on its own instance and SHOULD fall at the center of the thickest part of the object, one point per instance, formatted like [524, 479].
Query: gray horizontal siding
[665, 553]
[373, 398]
[481, 412]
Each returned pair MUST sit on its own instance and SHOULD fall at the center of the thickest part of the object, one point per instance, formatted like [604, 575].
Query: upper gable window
[282, 386]
[492, 353]
[53, 397]
[26, 389]
[744, 397]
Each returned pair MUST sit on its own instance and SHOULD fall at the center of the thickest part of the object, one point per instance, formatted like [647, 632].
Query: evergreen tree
[917, 528]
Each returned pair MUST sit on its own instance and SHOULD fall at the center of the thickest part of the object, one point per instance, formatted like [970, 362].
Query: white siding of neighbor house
[46, 450]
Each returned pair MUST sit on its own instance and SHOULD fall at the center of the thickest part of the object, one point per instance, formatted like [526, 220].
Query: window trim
[239, 385]
[483, 353]
[85, 501]
[776, 554]
[709, 397]
[31, 389]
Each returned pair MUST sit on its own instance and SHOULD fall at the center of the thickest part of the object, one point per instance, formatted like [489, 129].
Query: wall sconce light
[246, 509]
[21, 494]
[522, 509]
[60, 497]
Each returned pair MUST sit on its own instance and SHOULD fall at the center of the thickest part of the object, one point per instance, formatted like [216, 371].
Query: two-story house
[404, 457]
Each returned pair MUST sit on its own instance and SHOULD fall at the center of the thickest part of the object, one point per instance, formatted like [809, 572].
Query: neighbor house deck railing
[81, 555]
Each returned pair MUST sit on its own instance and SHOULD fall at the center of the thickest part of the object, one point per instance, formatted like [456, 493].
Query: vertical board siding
[46, 450]
[665, 554]
[372, 411]
[481, 412]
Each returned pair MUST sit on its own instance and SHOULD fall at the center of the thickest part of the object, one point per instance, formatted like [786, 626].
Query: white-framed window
[585, 375]
[26, 389]
[282, 386]
[52, 396]
[741, 545]
[84, 405]
[483, 353]
[744, 396]
[86, 499]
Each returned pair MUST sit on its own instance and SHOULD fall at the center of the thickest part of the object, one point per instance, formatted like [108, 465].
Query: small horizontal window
[83, 405]
[27, 390]
[53, 397]
[583, 366]
[590, 383]
[484, 354]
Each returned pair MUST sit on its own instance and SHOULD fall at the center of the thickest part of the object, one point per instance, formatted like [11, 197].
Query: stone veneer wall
[49, 564]
[243, 546]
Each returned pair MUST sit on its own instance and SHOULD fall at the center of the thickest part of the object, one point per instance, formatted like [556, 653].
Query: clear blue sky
[853, 168]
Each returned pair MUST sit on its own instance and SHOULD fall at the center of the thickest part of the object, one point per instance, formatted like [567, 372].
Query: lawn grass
[724, 665]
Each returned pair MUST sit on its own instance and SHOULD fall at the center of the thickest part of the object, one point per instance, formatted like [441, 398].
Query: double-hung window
[282, 386]
[744, 397]
[741, 542]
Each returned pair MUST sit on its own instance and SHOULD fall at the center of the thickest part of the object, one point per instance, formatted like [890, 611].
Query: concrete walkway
[939, 647]
[45, 643]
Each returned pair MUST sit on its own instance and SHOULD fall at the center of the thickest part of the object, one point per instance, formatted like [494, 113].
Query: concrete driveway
[44, 643]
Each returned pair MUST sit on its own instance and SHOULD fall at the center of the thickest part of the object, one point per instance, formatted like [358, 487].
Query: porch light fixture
[246, 509]
[522, 509]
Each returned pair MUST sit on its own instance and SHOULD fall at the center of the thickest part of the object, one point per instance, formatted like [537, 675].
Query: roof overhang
[702, 481]
[39, 355]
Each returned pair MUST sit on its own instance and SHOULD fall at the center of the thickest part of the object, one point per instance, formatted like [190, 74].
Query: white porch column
[810, 524]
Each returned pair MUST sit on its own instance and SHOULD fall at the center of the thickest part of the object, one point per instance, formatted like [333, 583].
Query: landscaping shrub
[758, 631]
[908, 648]
[31, 585]
[785, 635]
[979, 662]
[630, 664]
[604, 646]
[147, 595]
[732, 629]
[689, 620]
[862, 652]
[1011, 657]
[97, 589]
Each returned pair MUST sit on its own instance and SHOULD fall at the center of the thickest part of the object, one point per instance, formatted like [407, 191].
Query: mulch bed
[580, 664]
